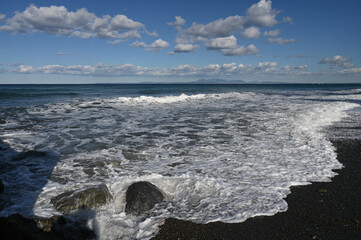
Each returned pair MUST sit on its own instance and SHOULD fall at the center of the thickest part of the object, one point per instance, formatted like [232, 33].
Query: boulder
[141, 197]
[2, 121]
[89, 198]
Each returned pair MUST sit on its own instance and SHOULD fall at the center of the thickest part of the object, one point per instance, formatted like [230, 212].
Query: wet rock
[89, 198]
[46, 223]
[17, 227]
[141, 197]
[66, 228]
[2, 121]
[27, 154]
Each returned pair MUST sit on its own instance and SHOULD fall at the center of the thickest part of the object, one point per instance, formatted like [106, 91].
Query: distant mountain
[217, 81]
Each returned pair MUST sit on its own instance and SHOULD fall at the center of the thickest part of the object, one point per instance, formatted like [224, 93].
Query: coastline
[321, 210]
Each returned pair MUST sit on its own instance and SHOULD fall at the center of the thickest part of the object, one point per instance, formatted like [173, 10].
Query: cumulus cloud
[280, 40]
[138, 44]
[185, 48]
[267, 64]
[229, 47]
[261, 14]
[272, 33]
[337, 62]
[157, 45]
[2, 17]
[218, 28]
[218, 33]
[251, 32]
[79, 24]
[179, 21]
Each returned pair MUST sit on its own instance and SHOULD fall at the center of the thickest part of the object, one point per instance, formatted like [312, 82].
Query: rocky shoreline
[322, 210]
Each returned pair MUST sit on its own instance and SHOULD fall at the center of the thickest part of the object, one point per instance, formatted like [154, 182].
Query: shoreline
[321, 210]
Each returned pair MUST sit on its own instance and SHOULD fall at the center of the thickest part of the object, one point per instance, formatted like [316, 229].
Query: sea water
[217, 152]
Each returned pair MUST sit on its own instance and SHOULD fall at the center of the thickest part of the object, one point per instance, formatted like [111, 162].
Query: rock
[1, 187]
[46, 223]
[141, 197]
[17, 227]
[2, 121]
[32, 154]
[89, 198]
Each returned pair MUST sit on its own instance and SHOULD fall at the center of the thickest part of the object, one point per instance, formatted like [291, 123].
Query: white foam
[217, 157]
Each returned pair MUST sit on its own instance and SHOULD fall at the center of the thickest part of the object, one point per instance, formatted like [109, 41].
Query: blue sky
[179, 41]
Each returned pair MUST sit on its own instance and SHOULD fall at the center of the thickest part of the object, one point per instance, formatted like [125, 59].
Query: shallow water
[219, 153]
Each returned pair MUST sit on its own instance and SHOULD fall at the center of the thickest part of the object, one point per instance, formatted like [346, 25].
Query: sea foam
[217, 157]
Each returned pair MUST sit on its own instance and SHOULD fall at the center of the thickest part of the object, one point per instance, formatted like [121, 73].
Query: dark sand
[330, 210]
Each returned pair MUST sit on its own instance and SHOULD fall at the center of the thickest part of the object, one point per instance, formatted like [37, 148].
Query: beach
[322, 210]
[227, 162]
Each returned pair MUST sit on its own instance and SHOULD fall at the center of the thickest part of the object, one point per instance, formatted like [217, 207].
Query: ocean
[217, 152]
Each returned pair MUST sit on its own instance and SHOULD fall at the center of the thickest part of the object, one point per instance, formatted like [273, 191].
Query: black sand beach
[322, 210]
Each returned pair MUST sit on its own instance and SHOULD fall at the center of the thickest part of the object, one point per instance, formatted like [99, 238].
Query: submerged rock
[89, 198]
[141, 197]
[32, 154]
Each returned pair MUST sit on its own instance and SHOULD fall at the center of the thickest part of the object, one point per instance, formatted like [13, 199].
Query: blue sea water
[217, 152]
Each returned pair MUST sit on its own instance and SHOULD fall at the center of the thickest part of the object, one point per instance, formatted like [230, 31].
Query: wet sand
[321, 210]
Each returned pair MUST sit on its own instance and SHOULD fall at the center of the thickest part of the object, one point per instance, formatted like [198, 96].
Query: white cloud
[229, 47]
[80, 24]
[267, 64]
[263, 69]
[179, 21]
[220, 32]
[301, 67]
[280, 40]
[301, 56]
[138, 44]
[152, 34]
[350, 71]
[287, 20]
[158, 45]
[251, 32]
[2, 17]
[185, 48]
[63, 53]
[222, 43]
[337, 62]
[272, 33]
[218, 28]
[262, 14]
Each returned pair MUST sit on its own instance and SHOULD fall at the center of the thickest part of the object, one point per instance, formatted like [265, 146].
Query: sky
[88, 41]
